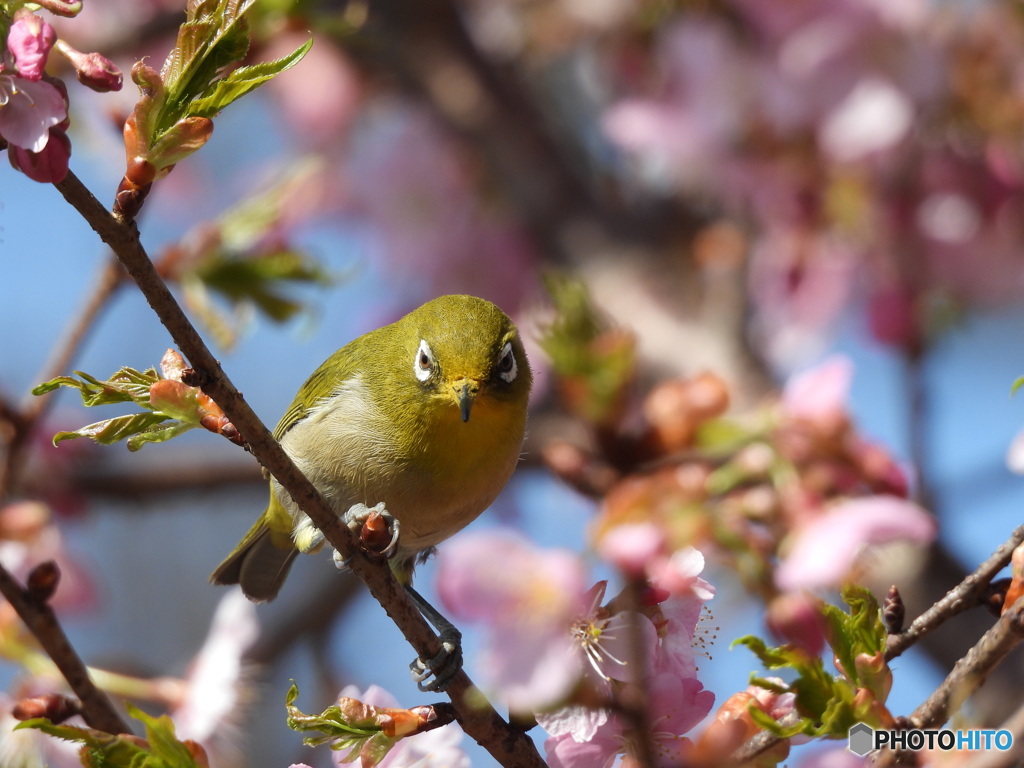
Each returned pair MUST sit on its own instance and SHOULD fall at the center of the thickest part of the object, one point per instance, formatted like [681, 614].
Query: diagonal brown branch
[510, 747]
[25, 419]
[963, 596]
[39, 617]
[967, 676]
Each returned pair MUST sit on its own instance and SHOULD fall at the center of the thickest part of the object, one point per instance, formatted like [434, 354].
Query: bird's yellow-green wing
[319, 386]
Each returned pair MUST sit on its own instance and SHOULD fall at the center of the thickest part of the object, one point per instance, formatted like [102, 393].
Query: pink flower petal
[824, 551]
[820, 393]
[581, 722]
[631, 546]
[29, 41]
[498, 576]
[565, 752]
[31, 109]
[680, 574]
[529, 598]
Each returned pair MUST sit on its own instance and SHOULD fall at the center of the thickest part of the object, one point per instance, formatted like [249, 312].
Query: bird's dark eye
[424, 363]
[507, 367]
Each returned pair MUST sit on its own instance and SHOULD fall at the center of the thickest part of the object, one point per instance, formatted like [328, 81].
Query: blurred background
[745, 186]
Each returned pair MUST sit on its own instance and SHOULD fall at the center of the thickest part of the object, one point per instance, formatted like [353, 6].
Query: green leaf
[814, 689]
[175, 409]
[1017, 384]
[350, 724]
[860, 631]
[163, 742]
[127, 385]
[242, 80]
[162, 748]
[171, 120]
[180, 140]
[159, 433]
[113, 430]
[257, 279]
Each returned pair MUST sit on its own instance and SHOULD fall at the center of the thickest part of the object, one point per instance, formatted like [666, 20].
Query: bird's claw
[434, 675]
[376, 528]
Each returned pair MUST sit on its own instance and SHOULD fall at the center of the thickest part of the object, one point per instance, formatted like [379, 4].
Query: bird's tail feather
[259, 564]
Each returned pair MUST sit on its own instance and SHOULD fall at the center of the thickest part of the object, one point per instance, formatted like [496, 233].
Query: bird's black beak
[465, 392]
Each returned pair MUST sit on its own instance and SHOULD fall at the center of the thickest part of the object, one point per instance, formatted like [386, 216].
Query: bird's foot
[376, 528]
[435, 674]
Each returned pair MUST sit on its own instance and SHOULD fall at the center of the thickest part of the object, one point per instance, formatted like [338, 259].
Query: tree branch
[964, 595]
[33, 410]
[507, 745]
[967, 676]
[39, 617]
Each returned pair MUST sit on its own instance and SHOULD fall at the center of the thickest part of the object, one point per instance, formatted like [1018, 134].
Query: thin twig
[39, 617]
[963, 596]
[509, 747]
[34, 409]
[970, 672]
[967, 676]
[1004, 758]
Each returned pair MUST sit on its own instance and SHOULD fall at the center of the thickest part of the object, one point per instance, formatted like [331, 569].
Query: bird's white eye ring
[423, 364]
[507, 366]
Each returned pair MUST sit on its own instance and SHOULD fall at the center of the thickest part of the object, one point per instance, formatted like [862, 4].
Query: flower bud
[66, 8]
[50, 164]
[94, 70]
[893, 611]
[29, 42]
[42, 581]
[874, 674]
[795, 617]
[53, 706]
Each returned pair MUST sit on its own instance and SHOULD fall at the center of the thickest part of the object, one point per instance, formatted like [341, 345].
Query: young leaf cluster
[171, 407]
[199, 78]
[368, 731]
[829, 705]
[160, 748]
[593, 359]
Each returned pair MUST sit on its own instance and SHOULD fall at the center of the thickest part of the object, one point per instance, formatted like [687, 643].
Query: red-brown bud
[53, 706]
[42, 581]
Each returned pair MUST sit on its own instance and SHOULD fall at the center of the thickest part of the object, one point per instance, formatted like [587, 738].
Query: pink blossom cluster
[795, 499]
[556, 649]
[34, 106]
[870, 143]
[33, 110]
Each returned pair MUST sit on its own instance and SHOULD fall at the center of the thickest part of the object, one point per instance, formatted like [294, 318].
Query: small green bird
[426, 415]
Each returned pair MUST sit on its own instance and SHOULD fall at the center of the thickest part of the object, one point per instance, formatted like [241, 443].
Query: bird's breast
[434, 472]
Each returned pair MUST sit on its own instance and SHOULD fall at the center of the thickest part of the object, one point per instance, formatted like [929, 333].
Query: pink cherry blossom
[679, 574]
[28, 109]
[676, 705]
[640, 549]
[680, 615]
[29, 42]
[528, 598]
[820, 393]
[216, 684]
[823, 552]
[631, 546]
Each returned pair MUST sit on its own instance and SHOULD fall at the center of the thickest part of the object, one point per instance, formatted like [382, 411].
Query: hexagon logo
[862, 738]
